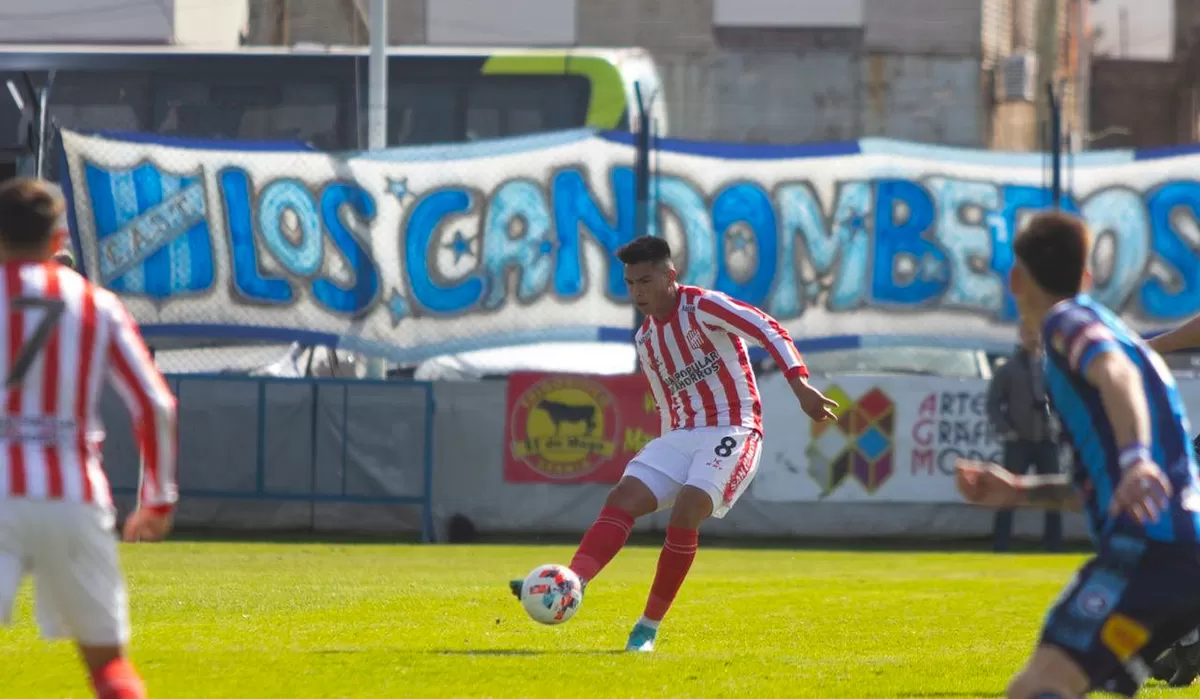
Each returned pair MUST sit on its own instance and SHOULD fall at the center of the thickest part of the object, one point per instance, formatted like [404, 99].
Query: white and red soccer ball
[551, 594]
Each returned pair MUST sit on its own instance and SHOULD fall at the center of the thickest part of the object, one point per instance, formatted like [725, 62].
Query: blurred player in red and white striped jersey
[61, 338]
[692, 349]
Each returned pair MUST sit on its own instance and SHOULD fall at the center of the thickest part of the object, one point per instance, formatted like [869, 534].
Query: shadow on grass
[521, 652]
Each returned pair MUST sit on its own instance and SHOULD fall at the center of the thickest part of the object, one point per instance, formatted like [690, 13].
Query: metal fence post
[1055, 109]
[427, 528]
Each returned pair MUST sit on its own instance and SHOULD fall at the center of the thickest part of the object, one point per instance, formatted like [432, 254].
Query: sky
[1150, 27]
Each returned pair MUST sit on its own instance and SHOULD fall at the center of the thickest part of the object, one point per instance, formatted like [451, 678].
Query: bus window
[484, 122]
[301, 112]
[107, 101]
[421, 114]
[500, 107]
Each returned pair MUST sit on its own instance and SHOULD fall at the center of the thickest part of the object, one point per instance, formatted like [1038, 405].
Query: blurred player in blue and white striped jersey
[1135, 478]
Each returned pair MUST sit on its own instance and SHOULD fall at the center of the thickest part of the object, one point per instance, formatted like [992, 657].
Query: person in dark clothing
[1020, 411]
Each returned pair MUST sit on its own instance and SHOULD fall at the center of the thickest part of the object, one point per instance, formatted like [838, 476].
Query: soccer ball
[551, 594]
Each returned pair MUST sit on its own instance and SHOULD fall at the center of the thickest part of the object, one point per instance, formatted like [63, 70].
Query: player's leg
[1167, 666]
[1186, 655]
[1050, 674]
[632, 498]
[692, 507]
[1126, 605]
[113, 675]
[1180, 664]
[81, 594]
[724, 461]
[12, 561]
[651, 481]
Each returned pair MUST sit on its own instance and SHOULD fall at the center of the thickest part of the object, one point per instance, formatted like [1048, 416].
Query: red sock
[118, 680]
[673, 563]
[602, 542]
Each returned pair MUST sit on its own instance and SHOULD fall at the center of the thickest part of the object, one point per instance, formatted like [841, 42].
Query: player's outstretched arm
[152, 407]
[1186, 336]
[991, 485]
[750, 323]
[1050, 492]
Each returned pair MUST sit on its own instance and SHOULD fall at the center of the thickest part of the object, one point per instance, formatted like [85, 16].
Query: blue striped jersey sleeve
[1078, 335]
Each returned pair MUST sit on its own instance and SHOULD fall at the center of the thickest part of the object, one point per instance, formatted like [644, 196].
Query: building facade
[208, 23]
[772, 71]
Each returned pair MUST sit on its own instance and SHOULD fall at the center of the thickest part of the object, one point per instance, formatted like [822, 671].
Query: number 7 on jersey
[52, 310]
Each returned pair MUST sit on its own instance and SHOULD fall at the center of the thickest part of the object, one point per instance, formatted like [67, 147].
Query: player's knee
[1037, 684]
[633, 497]
[692, 507]
[98, 657]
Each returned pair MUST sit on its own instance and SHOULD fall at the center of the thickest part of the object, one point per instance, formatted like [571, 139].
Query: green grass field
[215, 620]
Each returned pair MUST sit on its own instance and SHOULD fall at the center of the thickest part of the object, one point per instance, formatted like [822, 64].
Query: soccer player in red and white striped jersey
[692, 349]
[61, 338]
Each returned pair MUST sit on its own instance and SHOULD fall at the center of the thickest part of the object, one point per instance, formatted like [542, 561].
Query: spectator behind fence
[1020, 412]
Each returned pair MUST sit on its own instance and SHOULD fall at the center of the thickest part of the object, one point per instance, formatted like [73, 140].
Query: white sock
[649, 623]
[1191, 639]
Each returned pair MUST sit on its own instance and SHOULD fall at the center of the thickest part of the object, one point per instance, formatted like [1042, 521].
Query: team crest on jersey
[563, 427]
[694, 339]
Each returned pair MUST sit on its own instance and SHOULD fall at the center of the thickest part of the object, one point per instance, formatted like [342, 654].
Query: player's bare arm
[991, 485]
[815, 404]
[1144, 489]
[1050, 492]
[1184, 337]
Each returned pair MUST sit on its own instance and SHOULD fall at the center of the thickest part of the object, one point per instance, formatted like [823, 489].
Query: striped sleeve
[720, 311]
[1078, 336]
[152, 407]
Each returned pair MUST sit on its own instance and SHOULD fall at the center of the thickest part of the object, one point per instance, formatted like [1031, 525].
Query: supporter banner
[575, 429]
[417, 252]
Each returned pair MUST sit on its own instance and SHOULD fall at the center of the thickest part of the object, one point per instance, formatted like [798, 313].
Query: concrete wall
[385, 424]
[87, 21]
[215, 24]
[926, 27]
[207, 23]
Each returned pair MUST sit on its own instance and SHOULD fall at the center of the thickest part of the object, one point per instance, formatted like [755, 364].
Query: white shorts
[70, 549]
[718, 460]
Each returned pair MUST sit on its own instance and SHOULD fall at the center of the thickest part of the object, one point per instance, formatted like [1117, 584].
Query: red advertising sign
[575, 429]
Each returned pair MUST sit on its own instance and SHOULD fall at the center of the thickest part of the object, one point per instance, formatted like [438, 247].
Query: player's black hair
[644, 248]
[30, 211]
[1054, 247]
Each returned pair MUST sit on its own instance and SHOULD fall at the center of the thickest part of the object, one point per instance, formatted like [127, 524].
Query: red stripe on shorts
[744, 464]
